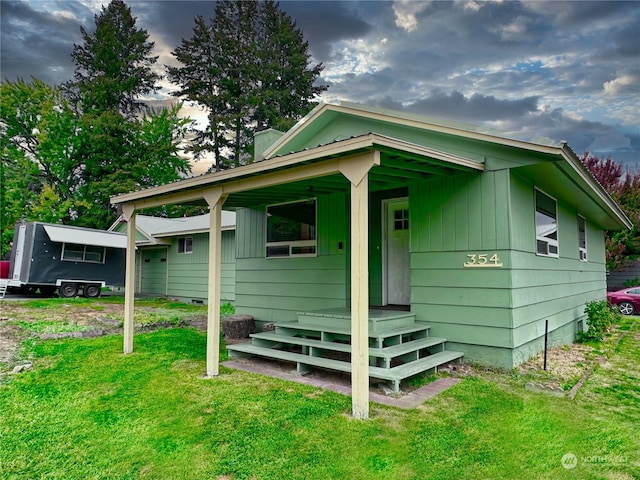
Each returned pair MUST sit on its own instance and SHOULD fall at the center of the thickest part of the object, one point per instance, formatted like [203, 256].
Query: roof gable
[330, 123]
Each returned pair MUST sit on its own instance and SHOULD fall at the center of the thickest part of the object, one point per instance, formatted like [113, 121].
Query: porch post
[215, 199]
[356, 170]
[130, 277]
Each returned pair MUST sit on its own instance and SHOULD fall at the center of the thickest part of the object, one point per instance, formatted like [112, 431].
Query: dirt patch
[20, 321]
[565, 365]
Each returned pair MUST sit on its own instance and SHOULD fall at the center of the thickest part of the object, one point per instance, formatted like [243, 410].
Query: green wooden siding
[495, 315]
[275, 289]
[154, 271]
[503, 307]
[468, 212]
[189, 272]
[452, 217]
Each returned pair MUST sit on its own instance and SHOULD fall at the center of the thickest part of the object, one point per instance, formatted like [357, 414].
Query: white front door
[396, 259]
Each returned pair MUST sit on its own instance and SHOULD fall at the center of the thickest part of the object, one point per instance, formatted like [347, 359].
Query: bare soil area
[20, 321]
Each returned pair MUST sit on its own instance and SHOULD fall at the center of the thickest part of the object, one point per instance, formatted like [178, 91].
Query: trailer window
[83, 253]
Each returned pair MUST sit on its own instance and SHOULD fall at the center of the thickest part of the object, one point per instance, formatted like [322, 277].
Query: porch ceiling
[401, 163]
[395, 171]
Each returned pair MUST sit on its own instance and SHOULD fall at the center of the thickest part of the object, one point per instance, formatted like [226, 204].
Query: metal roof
[164, 227]
[85, 236]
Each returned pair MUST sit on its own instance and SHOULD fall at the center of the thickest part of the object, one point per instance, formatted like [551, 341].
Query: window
[582, 239]
[401, 219]
[546, 225]
[185, 245]
[83, 253]
[291, 229]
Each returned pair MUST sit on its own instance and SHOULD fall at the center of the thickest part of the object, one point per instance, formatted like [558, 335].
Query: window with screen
[546, 225]
[291, 229]
[582, 239]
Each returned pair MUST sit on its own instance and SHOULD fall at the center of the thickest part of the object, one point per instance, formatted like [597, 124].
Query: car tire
[68, 290]
[91, 290]
[626, 308]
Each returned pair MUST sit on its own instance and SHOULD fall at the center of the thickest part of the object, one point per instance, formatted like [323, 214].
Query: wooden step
[248, 348]
[377, 339]
[271, 339]
[379, 320]
[395, 375]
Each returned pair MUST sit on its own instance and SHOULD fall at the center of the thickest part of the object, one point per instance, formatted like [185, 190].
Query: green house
[396, 243]
[172, 256]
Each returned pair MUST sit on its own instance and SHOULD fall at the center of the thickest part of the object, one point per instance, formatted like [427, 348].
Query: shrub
[600, 317]
[631, 282]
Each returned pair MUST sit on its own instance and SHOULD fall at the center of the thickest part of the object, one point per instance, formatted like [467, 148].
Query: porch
[399, 347]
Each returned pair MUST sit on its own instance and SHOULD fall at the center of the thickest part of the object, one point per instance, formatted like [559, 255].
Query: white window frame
[550, 242]
[293, 244]
[582, 250]
[184, 250]
[103, 254]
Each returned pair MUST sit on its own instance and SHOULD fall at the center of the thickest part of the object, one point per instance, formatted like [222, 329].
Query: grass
[88, 411]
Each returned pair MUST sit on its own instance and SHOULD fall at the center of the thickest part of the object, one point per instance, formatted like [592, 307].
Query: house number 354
[483, 260]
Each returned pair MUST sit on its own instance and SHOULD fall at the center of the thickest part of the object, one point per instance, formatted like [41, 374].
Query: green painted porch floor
[345, 313]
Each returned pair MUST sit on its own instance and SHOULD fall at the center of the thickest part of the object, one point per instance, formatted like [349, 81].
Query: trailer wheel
[91, 290]
[68, 290]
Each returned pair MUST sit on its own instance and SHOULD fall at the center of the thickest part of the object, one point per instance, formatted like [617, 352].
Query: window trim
[541, 238]
[184, 249]
[582, 250]
[103, 254]
[292, 244]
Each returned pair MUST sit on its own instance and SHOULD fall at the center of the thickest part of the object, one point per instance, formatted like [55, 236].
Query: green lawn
[86, 411]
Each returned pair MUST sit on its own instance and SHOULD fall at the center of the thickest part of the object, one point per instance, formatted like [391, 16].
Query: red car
[627, 300]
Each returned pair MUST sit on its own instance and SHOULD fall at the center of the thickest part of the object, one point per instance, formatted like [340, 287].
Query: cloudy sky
[531, 69]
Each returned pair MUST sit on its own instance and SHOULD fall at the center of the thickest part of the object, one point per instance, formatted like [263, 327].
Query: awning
[82, 236]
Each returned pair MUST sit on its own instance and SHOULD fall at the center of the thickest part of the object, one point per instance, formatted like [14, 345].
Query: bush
[631, 282]
[600, 317]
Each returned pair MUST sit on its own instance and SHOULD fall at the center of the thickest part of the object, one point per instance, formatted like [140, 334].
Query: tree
[38, 143]
[288, 82]
[249, 67]
[119, 156]
[199, 78]
[61, 166]
[624, 188]
[114, 64]
[121, 146]
[19, 188]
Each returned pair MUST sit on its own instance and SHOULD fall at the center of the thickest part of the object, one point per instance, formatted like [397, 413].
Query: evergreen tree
[199, 78]
[121, 147]
[114, 64]
[250, 68]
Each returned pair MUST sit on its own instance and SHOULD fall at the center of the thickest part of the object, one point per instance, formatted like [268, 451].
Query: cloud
[563, 70]
[625, 83]
[42, 40]
[477, 107]
[405, 13]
